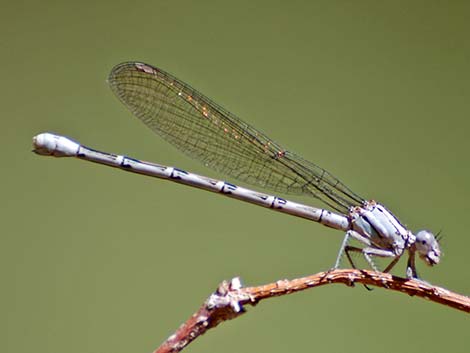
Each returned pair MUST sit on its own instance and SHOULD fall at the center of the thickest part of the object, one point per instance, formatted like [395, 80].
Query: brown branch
[227, 301]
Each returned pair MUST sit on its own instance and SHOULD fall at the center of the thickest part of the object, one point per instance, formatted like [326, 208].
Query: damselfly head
[427, 247]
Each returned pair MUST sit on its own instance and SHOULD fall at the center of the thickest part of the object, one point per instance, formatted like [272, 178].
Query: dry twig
[227, 301]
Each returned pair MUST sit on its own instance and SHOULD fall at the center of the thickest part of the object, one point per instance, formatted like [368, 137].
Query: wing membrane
[207, 132]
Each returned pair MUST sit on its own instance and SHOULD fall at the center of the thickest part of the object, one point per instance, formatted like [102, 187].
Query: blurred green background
[96, 260]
